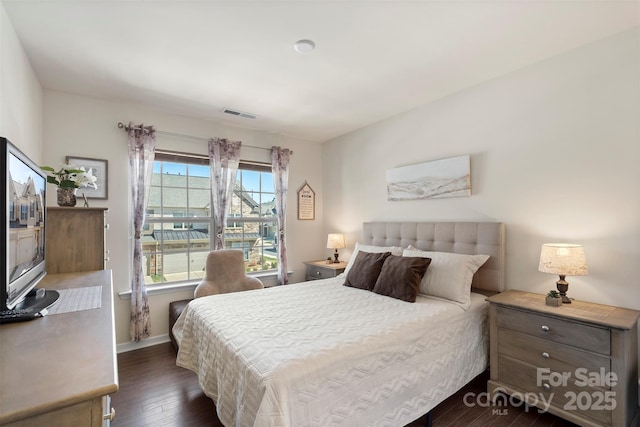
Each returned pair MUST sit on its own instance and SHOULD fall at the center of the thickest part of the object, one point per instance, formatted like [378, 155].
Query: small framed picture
[99, 169]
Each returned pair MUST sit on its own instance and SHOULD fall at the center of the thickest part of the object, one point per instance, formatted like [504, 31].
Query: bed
[319, 353]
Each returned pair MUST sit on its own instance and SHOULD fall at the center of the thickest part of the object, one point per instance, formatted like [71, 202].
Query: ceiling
[373, 59]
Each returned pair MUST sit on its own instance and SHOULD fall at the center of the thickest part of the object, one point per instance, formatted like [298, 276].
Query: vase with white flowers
[68, 179]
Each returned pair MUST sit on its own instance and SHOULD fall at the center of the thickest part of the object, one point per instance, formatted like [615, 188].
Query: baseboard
[151, 341]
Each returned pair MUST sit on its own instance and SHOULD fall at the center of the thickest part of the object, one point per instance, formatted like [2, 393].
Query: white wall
[555, 155]
[20, 94]
[86, 127]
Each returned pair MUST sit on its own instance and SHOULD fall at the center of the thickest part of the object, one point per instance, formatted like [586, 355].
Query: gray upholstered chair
[225, 272]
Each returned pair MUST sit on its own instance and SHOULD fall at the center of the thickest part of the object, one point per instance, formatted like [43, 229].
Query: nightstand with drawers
[582, 358]
[321, 270]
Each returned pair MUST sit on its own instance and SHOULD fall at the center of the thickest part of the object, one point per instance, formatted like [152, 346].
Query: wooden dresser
[566, 356]
[59, 370]
[75, 239]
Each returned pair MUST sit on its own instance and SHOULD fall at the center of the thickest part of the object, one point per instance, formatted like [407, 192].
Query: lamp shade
[564, 259]
[335, 241]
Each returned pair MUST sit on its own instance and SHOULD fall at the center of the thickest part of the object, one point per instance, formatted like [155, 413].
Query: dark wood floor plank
[155, 392]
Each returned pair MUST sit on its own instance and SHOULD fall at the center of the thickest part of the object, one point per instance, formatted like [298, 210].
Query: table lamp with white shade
[563, 259]
[335, 241]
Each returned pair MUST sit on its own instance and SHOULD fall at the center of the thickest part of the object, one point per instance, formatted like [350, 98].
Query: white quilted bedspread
[322, 354]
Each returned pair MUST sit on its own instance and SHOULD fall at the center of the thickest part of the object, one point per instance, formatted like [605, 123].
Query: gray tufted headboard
[457, 237]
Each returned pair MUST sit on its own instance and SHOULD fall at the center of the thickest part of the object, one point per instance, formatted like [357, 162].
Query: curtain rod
[125, 127]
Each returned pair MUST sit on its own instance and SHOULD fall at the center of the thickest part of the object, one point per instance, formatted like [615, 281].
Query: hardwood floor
[155, 392]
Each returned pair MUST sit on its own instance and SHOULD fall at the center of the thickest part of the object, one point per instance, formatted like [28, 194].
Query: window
[252, 224]
[176, 235]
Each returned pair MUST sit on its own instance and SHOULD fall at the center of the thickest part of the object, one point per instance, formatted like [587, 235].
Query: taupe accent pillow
[365, 270]
[400, 277]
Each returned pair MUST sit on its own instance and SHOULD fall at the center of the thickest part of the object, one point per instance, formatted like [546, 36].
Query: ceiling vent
[238, 113]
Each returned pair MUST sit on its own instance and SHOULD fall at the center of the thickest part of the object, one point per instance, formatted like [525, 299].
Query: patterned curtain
[224, 158]
[142, 145]
[280, 168]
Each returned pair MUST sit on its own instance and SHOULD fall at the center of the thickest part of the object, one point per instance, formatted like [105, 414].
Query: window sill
[187, 286]
[163, 289]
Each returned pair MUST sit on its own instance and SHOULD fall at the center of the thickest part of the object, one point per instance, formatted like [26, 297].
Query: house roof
[174, 195]
[183, 235]
[178, 235]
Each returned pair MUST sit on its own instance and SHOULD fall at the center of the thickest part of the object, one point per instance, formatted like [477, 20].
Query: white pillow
[395, 250]
[449, 275]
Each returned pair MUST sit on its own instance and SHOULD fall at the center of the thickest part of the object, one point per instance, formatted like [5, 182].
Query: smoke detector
[304, 46]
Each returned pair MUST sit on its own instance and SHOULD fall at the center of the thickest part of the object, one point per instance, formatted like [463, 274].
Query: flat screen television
[24, 187]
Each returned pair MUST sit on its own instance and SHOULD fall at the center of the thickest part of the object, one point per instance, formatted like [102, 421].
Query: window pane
[174, 181]
[199, 203]
[179, 224]
[151, 265]
[262, 252]
[267, 182]
[234, 206]
[175, 253]
[174, 169]
[268, 205]
[157, 174]
[199, 237]
[250, 207]
[234, 239]
[250, 181]
[154, 202]
[173, 200]
[198, 261]
[199, 176]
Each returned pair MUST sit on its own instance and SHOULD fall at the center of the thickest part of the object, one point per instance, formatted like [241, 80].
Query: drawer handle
[546, 386]
[110, 416]
[317, 273]
[545, 328]
[545, 355]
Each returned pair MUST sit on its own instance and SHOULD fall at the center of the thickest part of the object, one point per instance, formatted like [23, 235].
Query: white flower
[85, 179]
[71, 176]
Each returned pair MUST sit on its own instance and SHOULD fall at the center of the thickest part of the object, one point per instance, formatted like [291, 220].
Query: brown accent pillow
[400, 277]
[365, 270]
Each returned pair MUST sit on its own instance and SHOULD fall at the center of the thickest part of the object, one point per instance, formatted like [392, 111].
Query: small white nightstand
[321, 270]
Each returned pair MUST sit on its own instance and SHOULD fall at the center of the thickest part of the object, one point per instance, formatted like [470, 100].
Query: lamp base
[563, 287]
[335, 256]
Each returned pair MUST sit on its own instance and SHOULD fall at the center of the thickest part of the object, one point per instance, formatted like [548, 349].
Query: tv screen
[24, 192]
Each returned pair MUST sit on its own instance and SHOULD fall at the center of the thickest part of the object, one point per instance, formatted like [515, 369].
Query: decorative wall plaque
[306, 202]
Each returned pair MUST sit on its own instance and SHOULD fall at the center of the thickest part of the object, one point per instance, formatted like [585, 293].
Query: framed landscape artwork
[439, 178]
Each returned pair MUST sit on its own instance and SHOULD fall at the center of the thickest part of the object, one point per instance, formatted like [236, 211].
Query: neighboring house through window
[177, 237]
